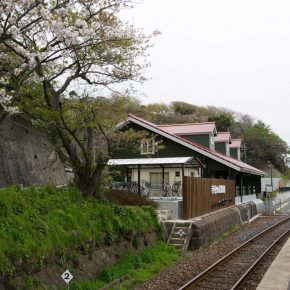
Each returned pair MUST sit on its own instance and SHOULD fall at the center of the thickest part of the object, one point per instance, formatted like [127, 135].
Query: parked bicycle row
[150, 189]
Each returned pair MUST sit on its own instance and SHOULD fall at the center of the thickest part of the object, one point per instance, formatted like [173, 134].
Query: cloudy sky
[226, 53]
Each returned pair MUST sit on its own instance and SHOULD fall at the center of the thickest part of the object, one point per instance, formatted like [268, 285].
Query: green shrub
[126, 197]
[40, 224]
[138, 267]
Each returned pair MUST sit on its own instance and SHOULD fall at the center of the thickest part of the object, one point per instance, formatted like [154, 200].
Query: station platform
[278, 275]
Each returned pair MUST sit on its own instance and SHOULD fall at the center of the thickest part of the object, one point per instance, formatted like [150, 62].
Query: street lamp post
[270, 165]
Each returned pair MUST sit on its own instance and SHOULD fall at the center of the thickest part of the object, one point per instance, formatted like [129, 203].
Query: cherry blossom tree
[52, 50]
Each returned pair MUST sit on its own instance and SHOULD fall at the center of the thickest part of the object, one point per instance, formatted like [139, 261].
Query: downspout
[241, 187]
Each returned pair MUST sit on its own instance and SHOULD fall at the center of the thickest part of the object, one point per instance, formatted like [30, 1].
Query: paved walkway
[278, 275]
[282, 196]
[278, 201]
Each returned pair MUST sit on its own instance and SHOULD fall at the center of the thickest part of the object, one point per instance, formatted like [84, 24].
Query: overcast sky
[226, 53]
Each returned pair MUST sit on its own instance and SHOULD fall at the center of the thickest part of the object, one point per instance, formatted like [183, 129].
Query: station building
[173, 151]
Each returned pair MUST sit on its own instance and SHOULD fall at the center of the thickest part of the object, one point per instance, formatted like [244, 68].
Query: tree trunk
[88, 178]
[3, 113]
[89, 182]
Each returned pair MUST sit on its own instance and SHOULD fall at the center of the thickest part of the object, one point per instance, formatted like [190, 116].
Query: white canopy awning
[153, 161]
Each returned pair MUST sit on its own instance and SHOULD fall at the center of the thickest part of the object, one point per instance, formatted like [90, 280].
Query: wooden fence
[205, 195]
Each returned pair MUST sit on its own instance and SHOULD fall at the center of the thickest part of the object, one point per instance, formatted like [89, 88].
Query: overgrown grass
[138, 267]
[37, 224]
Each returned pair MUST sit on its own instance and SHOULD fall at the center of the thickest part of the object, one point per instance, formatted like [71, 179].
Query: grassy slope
[39, 223]
[138, 267]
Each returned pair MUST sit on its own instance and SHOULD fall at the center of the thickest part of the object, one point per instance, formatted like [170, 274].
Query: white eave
[151, 161]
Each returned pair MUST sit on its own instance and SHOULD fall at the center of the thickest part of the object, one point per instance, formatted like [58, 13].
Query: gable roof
[236, 143]
[189, 128]
[223, 137]
[226, 160]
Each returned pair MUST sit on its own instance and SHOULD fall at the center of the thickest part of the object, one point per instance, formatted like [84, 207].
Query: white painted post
[67, 277]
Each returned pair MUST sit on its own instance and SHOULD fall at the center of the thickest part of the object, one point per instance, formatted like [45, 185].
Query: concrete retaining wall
[173, 206]
[208, 228]
[27, 157]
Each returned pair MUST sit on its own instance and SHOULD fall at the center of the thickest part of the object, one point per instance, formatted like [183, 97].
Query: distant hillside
[26, 156]
[260, 143]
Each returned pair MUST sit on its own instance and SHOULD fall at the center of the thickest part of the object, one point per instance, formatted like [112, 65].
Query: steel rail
[203, 274]
[258, 261]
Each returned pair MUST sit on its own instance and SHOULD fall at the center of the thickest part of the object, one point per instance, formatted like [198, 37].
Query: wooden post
[182, 176]
[127, 174]
[247, 184]
[259, 189]
[252, 184]
[241, 187]
[139, 185]
[163, 177]
[238, 185]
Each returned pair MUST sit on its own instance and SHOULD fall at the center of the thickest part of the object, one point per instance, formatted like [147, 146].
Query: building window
[148, 146]
[177, 173]
[156, 179]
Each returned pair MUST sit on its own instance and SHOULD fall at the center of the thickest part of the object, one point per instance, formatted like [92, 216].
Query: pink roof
[223, 137]
[189, 128]
[236, 143]
[242, 165]
[227, 160]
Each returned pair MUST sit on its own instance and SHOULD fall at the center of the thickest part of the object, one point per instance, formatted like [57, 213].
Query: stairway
[180, 235]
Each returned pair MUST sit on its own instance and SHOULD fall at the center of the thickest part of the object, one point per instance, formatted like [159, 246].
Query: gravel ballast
[196, 261]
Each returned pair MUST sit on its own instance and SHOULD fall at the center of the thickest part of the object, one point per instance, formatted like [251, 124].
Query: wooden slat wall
[198, 199]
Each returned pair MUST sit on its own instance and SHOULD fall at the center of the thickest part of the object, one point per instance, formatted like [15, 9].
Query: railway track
[234, 270]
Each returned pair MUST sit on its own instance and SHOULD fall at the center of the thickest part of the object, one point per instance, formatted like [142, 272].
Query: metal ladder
[180, 235]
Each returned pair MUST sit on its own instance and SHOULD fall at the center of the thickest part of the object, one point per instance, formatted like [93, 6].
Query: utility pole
[245, 148]
[270, 165]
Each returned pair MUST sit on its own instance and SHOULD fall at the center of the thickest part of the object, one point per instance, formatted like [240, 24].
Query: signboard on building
[217, 189]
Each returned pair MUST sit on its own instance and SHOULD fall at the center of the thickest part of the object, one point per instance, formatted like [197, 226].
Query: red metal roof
[236, 143]
[242, 165]
[189, 128]
[223, 137]
[226, 160]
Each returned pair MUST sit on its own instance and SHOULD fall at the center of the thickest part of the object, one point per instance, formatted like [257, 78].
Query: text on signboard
[216, 189]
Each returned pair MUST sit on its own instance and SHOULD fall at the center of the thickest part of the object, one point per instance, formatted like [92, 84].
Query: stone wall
[208, 228]
[27, 157]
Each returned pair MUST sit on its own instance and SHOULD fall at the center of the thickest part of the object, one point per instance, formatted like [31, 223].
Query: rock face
[27, 157]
